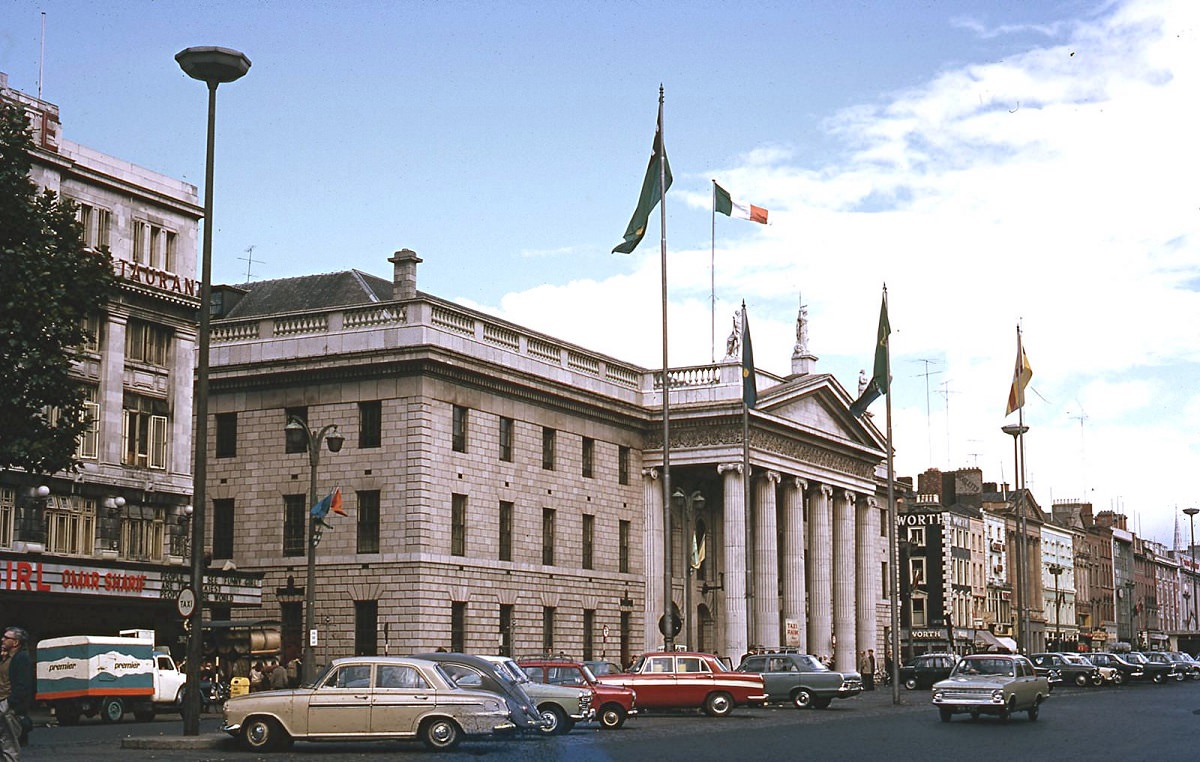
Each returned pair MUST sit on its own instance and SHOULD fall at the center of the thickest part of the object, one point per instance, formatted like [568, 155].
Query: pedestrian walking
[14, 707]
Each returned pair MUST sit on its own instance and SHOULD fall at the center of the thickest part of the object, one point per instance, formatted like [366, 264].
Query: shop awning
[987, 640]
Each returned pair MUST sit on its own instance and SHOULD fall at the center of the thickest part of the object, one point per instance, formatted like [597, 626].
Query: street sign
[185, 604]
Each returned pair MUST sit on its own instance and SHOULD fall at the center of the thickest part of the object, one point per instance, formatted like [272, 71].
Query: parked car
[470, 671]
[1108, 675]
[682, 679]
[1186, 664]
[613, 704]
[926, 669]
[560, 706]
[998, 684]
[1158, 666]
[1057, 667]
[377, 698]
[1126, 670]
[801, 679]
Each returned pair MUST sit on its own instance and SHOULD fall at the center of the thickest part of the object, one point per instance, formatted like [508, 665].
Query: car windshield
[1136, 658]
[1076, 659]
[984, 667]
[515, 671]
[587, 673]
[810, 664]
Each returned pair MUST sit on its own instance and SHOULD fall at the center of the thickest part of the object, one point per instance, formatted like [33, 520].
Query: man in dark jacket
[15, 706]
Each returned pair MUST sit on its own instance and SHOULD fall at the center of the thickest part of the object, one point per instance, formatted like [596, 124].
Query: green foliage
[49, 283]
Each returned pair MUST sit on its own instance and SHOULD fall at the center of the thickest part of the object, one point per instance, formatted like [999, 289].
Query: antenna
[928, 416]
[1082, 447]
[42, 57]
[249, 260]
[945, 391]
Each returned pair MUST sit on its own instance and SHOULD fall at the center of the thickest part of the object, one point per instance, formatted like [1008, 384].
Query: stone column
[792, 567]
[733, 608]
[867, 587]
[653, 556]
[820, 552]
[766, 564]
[844, 574]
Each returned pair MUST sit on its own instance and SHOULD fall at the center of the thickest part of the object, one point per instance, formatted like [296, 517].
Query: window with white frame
[142, 533]
[147, 342]
[70, 525]
[144, 432]
[138, 234]
[97, 224]
[91, 330]
[88, 447]
[8, 513]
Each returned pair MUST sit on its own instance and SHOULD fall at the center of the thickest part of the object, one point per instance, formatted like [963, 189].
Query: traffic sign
[185, 604]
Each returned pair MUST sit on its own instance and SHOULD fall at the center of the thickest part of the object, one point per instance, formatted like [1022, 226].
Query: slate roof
[308, 292]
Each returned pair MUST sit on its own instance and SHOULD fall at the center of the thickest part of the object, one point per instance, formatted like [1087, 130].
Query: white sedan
[368, 698]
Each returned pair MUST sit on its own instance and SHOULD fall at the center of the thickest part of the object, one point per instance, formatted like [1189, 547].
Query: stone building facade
[504, 489]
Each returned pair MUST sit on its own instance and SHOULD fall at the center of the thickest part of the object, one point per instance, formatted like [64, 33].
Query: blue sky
[994, 163]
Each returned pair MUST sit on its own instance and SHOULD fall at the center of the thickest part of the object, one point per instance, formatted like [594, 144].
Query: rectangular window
[226, 435]
[506, 629]
[588, 539]
[368, 521]
[458, 525]
[588, 453]
[916, 573]
[96, 223]
[366, 628]
[8, 516]
[89, 441]
[91, 325]
[139, 242]
[623, 465]
[548, 435]
[459, 442]
[370, 424]
[919, 618]
[170, 252]
[506, 528]
[291, 625]
[223, 523]
[144, 432]
[548, 536]
[506, 439]
[295, 442]
[71, 528]
[295, 511]
[548, 629]
[458, 627]
[623, 543]
[589, 626]
[886, 587]
[142, 533]
[916, 536]
[147, 342]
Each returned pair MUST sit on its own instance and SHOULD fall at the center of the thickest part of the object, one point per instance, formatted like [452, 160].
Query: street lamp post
[1055, 570]
[1017, 432]
[1191, 514]
[297, 427]
[212, 66]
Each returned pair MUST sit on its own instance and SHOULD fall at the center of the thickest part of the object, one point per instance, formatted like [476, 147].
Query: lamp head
[1191, 511]
[334, 440]
[213, 65]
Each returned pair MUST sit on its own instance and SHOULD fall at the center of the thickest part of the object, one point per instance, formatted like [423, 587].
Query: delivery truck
[89, 675]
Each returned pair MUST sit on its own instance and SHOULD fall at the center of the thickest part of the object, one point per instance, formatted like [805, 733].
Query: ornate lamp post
[1191, 514]
[1018, 435]
[1056, 570]
[298, 428]
[212, 66]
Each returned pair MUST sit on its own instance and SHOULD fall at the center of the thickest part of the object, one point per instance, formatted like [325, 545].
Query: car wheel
[718, 705]
[1081, 680]
[611, 716]
[802, 699]
[263, 734]
[440, 734]
[1008, 709]
[911, 683]
[112, 709]
[1119, 678]
[1033, 710]
[945, 713]
[1160, 678]
[1097, 680]
[553, 719]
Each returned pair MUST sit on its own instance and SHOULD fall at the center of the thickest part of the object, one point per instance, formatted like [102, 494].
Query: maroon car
[613, 703]
[683, 680]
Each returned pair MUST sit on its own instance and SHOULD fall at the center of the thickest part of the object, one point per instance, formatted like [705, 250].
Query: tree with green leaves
[49, 284]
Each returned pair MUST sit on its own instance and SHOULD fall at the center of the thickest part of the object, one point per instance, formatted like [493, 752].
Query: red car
[613, 704]
[683, 680]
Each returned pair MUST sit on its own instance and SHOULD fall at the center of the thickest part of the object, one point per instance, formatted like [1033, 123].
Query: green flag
[749, 380]
[651, 192]
[880, 383]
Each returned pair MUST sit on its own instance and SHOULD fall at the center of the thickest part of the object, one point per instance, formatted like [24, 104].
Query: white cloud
[1055, 188]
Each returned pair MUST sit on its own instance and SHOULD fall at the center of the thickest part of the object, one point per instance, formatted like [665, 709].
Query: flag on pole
[749, 383]
[880, 383]
[1021, 375]
[727, 205]
[651, 192]
[331, 502]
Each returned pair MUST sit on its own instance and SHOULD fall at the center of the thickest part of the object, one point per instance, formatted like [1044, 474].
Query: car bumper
[231, 728]
[757, 700]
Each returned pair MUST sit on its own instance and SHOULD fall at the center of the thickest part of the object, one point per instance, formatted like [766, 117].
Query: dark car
[801, 679]
[470, 671]
[1126, 670]
[1060, 668]
[1189, 666]
[925, 670]
[1159, 666]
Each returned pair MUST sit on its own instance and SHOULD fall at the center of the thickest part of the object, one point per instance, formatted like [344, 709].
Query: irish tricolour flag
[727, 205]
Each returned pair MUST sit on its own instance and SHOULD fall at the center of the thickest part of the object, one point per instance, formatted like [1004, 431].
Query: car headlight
[938, 695]
[998, 696]
[492, 706]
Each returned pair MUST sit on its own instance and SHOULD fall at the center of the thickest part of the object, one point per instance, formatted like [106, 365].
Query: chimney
[404, 274]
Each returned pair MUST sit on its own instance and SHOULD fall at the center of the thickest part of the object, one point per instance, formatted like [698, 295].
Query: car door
[400, 698]
[341, 704]
[693, 680]
[773, 677]
[655, 684]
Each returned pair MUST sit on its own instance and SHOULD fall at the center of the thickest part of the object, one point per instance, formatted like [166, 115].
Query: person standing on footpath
[872, 665]
[15, 706]
[864, 670]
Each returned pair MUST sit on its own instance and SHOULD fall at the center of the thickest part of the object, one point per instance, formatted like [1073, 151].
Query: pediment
[819, 404]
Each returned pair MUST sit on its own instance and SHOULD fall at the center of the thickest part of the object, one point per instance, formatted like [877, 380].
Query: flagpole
[893, 545]
[667, 629]
[749, 587]
[1024, 569]
[712, 275]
